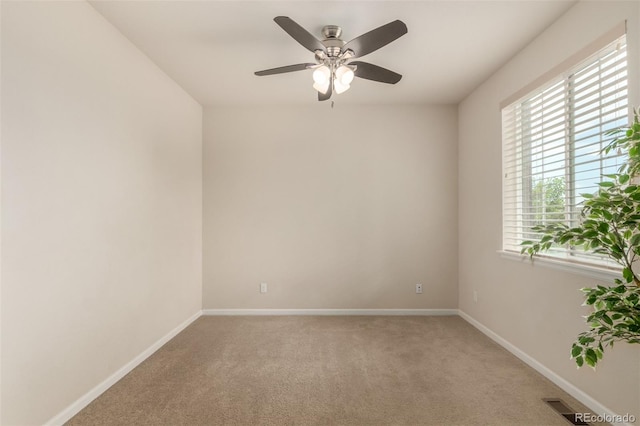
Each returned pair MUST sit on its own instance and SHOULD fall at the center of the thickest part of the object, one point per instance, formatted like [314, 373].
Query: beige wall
[101, 198]
[343, 208]
[536, 309]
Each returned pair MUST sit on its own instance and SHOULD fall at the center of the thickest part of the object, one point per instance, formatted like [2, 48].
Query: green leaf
[627, 274]
[606, 184]
[591, 233]
[621, 288]
[623, 178]
[585, 340]
[579, 361]
[575, 351]
[591, 357]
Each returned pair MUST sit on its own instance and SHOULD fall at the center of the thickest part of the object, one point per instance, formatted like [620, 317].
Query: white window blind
[552, 143]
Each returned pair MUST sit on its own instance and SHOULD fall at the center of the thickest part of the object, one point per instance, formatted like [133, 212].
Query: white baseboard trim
[540, 368]
[66, 414]
[425, 312]
[73, 409]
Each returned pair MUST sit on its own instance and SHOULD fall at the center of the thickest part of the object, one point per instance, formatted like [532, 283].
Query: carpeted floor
[329, 370]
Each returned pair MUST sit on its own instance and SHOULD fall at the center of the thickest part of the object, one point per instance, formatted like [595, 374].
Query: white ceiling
[212, 48]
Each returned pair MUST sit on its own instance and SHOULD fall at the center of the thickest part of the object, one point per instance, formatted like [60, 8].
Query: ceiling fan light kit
[334, 71]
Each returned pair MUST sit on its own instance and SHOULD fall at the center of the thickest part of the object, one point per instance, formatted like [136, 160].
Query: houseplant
[610, 225]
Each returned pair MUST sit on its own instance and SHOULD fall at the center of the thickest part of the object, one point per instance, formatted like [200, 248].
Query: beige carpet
[298, 370]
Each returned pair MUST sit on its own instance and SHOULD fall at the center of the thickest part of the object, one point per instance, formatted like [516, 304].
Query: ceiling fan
[334, 71]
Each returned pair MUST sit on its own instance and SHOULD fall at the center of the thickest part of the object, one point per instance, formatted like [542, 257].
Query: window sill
[603, 274]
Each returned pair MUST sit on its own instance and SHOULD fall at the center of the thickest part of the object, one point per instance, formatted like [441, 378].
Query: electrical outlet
[263, 287]
[418, 288]
[475, 296]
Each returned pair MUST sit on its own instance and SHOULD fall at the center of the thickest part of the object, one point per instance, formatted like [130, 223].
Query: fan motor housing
[332, 40]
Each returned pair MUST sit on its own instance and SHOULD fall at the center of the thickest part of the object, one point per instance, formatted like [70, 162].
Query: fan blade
[300, 35]
[326, 96]
[288, 68]
[375, 39]
[373, 72]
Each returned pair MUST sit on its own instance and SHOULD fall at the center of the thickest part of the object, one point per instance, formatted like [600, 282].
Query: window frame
[560, 75]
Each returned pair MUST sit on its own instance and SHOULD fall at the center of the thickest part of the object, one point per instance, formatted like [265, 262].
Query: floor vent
[564, 410]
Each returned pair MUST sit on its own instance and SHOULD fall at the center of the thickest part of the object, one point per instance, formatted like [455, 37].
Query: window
[552, 142]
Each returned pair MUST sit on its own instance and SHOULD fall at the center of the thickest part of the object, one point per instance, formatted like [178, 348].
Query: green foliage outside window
[548, 199]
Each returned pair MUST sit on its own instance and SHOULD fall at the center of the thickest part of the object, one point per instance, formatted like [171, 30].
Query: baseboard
[406, 312]
[572, 390]
[73, 409]
[540, 368]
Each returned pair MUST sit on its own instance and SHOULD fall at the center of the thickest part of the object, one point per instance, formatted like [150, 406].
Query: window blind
[552, 143]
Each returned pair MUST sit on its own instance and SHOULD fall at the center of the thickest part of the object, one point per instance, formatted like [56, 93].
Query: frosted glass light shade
[322, 79]
[322, 74]
[339, 87]
[322, 88]
[344, 75]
